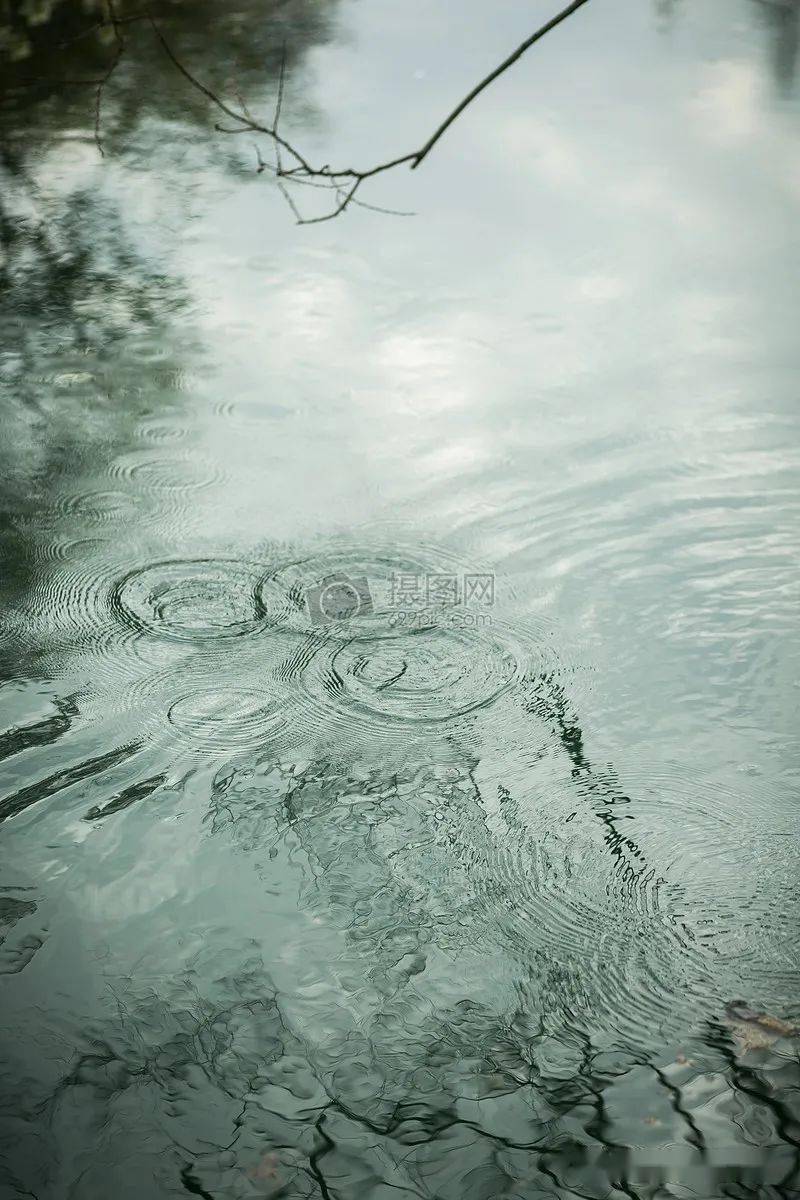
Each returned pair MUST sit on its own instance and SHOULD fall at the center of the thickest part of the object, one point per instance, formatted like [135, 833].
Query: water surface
[430, 899]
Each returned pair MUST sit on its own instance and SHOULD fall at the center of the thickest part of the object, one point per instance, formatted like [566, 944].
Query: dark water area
[400, 665]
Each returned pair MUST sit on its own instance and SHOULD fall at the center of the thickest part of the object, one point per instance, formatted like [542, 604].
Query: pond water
[400, 653]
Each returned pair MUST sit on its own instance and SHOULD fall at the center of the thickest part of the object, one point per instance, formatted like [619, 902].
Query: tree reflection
[782, 19]
[67, 52]
[84, 351]
[90, 320]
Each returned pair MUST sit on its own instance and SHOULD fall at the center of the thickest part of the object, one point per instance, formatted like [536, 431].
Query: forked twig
[112, 20]
[343, 182]
[245, 122]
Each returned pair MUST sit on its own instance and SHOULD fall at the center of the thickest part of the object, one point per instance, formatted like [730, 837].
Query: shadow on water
[781, 18]
[368, 1047]
[95, 336]
[85, 356]
[63, 48]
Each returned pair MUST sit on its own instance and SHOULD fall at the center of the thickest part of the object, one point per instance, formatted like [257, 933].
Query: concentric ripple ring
[353, 593]
[191, 599]
[429, 676]
[227, 718]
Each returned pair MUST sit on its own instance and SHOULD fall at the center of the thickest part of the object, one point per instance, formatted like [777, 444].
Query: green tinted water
[400, 661]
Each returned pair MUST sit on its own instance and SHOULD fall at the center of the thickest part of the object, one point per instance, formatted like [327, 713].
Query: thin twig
[243, 120]
[105, 24]
[120, 48]
[344, 201]
[490, 78]
[343, 182]
[275, 120]
[279, 101]
[288, 198]
[98, 99]
[390, 212]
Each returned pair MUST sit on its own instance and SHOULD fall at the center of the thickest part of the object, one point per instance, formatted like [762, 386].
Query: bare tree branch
[490, 78]
[246, 122]
[119, 50]
[343, 182]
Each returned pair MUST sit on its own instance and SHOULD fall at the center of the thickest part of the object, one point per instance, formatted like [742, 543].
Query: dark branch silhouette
[344, 182]
[295, 168]
[490, 78]
[119, 50]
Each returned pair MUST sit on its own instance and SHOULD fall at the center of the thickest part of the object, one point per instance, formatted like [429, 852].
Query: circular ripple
[172, 473]
[161, 429]
[254, 412]
[66, 615]
[617, 957]
[97, 506]
[191, 599]
[227, 718]
[431, 676]
[552, 896]
[65, 549]
[352, 593]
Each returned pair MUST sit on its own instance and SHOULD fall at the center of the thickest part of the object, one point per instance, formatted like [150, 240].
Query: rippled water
[400, 662]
